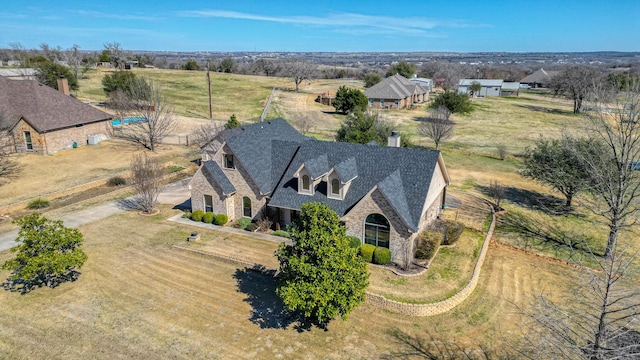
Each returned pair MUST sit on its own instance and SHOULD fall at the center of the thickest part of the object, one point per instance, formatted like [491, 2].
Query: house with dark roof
[539, 78]
[385, 195]
[43, 120]
[396, 92]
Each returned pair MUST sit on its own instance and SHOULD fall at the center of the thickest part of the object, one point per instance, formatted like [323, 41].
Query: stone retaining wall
[442, 306]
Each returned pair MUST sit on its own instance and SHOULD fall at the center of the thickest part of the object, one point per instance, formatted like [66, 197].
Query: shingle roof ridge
[393, 190]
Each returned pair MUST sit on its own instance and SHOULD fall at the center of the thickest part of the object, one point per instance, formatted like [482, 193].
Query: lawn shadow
[25, 286]
[532, 200]
[546, 110]
[268, 310]
[184, 206]
[130, 203]
[328, 112]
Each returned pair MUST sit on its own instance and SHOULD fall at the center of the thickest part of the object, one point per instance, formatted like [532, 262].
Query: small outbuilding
[43, 120]
[488, 87]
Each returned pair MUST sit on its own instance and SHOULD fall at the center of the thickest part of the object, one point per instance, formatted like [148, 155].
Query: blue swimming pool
[125, 121]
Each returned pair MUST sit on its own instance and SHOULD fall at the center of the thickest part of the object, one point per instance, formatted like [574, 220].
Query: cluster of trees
[363, 128]
[350, 100]
[403, 68]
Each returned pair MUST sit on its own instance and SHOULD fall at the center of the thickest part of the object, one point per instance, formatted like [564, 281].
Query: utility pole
[209, 85]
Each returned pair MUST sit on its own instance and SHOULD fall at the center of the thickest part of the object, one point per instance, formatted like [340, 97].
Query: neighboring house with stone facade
[43, 120]
[385, 195]
[396, 92]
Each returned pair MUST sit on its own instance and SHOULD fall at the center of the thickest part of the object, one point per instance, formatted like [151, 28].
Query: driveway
[173, 194]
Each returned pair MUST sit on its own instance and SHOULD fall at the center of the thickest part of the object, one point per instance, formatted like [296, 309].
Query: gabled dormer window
[228, 161]
[306, 183]
[335, 187]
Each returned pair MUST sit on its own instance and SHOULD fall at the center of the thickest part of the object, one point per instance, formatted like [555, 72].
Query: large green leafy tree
[372, 78]
[363, 128]
[357, 128]
[457, 103]
[118, 80]
[557, 163]
[349, 100]
[403, 68]
[48, 254]
[49, 72]
[321, 276]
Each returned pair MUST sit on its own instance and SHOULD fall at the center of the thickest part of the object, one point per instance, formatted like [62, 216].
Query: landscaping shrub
[281, 233]
[197, 215]
[242, 223]
[186, 215]
[452, 230]
[366, 252]
[221, 219]
[354, 241]
[428, 242]
[116, 181]
[38, 203]
[208, 217]
[381, 256]
[251, 227]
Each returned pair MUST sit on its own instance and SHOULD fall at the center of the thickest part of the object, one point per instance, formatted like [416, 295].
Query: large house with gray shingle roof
[385, 195]
[539, 79]
[43, 120]
[395, 92]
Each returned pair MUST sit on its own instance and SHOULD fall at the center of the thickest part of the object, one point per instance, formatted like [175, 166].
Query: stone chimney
[394, 139]
[63, 85]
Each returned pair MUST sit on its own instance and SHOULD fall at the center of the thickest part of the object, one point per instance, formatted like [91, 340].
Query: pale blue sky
[326, 25]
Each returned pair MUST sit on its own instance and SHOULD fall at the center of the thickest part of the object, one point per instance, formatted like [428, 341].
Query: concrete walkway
[172, 194]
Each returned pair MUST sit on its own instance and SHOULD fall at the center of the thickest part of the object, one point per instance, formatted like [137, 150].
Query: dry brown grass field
[41, 175]
[138, 297]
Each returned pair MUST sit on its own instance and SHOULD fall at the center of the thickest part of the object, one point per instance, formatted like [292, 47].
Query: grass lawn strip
[139, 297]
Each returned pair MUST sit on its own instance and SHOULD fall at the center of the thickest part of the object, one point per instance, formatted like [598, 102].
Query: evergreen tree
[321, 276]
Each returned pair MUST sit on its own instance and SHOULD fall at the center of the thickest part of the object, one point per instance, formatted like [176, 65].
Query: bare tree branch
[437, 126]
[8, 166]
[153, 116]
[614, 176]
[146, 173]
[299, 71]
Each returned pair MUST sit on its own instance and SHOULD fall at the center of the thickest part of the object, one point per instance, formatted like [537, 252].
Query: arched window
[376, 230]
[246, 206]
[335, 187]
[305, 182]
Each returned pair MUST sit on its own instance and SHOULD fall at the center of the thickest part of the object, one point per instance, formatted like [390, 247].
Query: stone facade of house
[53, 141]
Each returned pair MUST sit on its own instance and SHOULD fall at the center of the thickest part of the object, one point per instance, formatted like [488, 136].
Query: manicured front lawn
[449, 272]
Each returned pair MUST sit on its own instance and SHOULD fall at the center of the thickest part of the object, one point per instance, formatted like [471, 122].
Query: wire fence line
[266, 106]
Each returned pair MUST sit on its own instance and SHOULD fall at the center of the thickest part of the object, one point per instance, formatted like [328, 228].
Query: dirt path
[295, 106]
